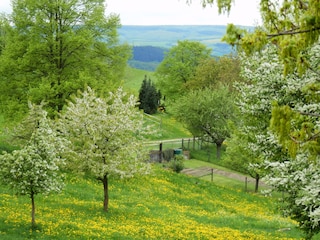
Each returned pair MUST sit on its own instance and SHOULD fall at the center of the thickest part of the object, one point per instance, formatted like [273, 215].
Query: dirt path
[203, 171]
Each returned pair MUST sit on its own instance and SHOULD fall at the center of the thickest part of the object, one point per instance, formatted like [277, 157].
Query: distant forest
[147, 57]
[148, 53]
[149, 43]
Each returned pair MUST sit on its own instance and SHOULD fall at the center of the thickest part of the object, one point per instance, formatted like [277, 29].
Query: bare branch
[309, 114]
[294, 31]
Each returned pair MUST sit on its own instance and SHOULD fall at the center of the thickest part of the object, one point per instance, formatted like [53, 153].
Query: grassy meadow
[166, 125]
[133, 79]
[162, 205]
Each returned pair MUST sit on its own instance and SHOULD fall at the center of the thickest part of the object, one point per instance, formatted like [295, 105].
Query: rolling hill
[151, 42]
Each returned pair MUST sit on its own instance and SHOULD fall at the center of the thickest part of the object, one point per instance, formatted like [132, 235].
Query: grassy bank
[163, 205]
[166, 126]
[133, 79]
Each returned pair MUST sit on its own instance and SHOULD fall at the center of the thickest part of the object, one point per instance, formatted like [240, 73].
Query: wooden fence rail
[205, 171]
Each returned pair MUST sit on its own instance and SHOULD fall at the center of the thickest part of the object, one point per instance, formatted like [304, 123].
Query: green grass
[194, 163]
[208, 153]
[163, 205]
[166, 127]
[170, 128]
[165, 124]
[5, 146]
[133, 79]
[223, 181]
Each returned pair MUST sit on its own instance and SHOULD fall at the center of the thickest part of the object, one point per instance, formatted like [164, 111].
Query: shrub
[168, 154]
[177, 164]
[149, 97]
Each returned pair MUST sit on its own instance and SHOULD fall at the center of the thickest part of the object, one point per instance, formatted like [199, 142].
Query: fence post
[211, 174]
[193, 143]
[182, 143]
[160, 152]
[246, 184]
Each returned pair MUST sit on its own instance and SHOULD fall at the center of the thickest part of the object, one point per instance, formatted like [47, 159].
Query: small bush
[168, 154]
[177, 164]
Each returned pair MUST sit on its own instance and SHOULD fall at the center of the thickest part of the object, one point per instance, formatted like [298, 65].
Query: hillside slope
[163, 205]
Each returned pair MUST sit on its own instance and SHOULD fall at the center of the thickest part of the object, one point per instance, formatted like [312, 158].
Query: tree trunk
[33, 211]
[106, 193]
[218, 150]
[257, 183]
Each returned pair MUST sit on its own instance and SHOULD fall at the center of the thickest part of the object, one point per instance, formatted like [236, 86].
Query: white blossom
[106, 135]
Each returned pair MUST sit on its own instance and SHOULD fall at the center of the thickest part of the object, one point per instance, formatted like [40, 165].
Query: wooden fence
[206, 171]
[181, 143]
[166, 149]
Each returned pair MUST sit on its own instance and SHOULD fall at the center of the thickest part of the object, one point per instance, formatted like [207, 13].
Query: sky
[175, 12]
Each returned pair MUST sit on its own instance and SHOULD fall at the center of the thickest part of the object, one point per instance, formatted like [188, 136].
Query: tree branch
[314, 136]
[310, 114]
[293, 32]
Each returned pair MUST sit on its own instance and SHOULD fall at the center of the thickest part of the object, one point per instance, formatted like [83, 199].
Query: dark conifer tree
[149, 97]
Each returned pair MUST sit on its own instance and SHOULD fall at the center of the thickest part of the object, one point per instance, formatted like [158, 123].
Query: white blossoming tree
[34, 169]
[299, 179]
[293, 28]
[106, 136]
[251, 141]
[281, 130]
[297, 127]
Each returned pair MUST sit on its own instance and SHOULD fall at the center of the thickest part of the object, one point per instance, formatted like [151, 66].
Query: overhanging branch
[293, 32]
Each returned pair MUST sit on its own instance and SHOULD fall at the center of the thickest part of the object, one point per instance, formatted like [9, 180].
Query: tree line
[148, 53]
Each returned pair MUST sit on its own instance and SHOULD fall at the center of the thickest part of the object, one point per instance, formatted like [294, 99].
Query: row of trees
[102, 137]
[52, 55]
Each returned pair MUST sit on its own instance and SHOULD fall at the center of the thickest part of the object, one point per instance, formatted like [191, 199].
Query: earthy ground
[203, 171]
